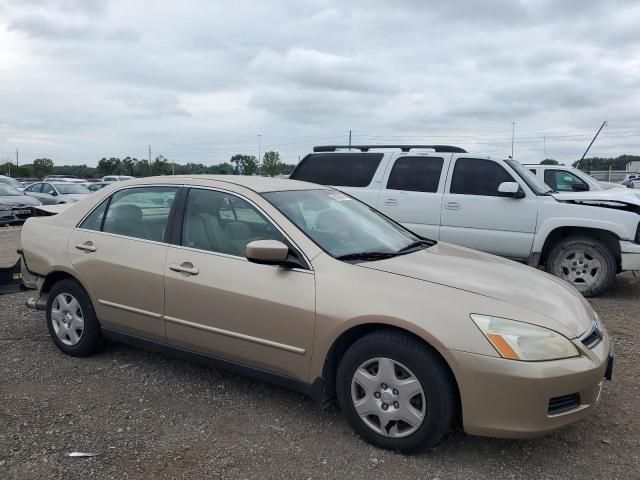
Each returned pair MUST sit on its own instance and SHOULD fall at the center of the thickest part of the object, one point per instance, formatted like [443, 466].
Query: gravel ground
[151, 416]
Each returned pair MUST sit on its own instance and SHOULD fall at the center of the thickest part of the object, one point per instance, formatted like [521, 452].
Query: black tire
[434, 376]
[594, 281]
[91, 339]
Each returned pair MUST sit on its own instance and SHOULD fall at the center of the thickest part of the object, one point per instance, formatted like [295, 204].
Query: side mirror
[268, 252]
[510, 189]
[579, 187]
[54, 194]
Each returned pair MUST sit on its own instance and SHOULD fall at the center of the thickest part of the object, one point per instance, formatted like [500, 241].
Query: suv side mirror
[268, 252]
[510, 189]
[579, 187]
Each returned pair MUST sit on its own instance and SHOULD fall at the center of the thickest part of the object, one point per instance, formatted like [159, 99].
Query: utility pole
[259, 159]
[594, 139]
[17, 159]
[149, 154]
[349, 139]
[544, 146]
[513, 134]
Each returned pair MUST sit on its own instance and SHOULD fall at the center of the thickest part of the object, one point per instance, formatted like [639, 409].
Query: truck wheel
[71, 319]
[584, 262]
[395, 392]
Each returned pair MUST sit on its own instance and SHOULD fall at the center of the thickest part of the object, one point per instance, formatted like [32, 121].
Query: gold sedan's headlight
[522, 341]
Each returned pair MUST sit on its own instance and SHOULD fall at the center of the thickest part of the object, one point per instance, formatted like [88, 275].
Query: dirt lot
[151, 416]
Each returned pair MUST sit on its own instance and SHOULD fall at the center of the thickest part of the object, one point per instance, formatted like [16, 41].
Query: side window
[416, 174]
[564, 181]
[35, 188]
[47, 188]
[534, 171]
[221, 222]
[94, 220]
[473, 176]
[339, 169]
[140, 212]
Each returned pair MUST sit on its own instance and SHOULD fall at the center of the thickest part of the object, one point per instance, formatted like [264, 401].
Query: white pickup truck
[497, 206]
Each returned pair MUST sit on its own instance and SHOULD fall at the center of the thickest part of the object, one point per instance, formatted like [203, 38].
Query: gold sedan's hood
[497, 278]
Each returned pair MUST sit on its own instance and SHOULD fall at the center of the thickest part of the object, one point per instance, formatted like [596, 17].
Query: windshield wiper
[367, 256]
[417, 244]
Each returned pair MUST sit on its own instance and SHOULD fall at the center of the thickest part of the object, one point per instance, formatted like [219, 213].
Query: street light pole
[513, 134]
[259, 159]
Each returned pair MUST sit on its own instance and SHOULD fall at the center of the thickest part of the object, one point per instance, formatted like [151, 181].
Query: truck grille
[563, 404]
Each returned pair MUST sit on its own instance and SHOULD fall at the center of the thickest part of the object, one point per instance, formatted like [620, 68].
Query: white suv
[497, 206]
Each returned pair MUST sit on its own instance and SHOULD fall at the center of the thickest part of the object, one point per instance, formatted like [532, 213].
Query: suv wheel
[584, 262]
[71, 319]
[395, 392]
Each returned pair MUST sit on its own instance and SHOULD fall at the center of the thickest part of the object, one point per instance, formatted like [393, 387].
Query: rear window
[339, 169]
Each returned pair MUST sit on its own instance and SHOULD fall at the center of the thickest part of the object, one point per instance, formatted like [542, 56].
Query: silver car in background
[52, 193]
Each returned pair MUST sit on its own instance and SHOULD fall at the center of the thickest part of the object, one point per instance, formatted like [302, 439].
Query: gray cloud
[83, 78]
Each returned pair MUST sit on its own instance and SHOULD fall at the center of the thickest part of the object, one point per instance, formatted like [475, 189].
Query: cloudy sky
[199, 80]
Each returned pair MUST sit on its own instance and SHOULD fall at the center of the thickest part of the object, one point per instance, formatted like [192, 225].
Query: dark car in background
[15, 206]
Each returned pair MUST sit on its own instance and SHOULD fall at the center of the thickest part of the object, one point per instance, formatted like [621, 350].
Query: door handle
[86, 246]
[452, 206]
[186, 267]
[391, 202]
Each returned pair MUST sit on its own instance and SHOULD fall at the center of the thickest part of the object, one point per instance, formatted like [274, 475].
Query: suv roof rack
[404, 148]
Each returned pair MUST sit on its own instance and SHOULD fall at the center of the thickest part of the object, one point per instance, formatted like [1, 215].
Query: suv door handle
[186, 267]
[86, 246]
[452, 206]
[391, 202]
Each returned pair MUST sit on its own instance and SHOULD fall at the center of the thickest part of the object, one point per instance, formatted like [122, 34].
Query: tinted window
[478, 177]
[35, 188]
[94, 221]
[140, 212]
[534, 171]
[339, 169]
[416, 174]
[563, 181]
[223, 223]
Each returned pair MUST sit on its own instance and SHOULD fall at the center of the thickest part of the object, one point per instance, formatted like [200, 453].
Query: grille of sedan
[593, 336]
[563, 404]
[22, 216]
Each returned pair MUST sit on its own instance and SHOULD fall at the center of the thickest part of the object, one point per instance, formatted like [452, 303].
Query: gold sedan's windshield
[343, 226]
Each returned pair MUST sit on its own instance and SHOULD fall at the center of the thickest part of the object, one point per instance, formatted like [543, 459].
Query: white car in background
[12, 182]
[496, 206]
[116, 178]
[564, 178]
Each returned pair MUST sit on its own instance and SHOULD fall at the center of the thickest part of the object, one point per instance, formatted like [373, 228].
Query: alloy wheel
[67, 319]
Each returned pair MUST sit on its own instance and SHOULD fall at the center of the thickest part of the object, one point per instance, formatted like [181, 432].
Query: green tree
[245, 164]
[549, 161]
[222, 169]
[129, 165]
[270, 164]
[160, 166]
[42, 167]
[109, 166]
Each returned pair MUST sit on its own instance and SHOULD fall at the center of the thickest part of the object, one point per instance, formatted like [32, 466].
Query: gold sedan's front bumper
[511, 399]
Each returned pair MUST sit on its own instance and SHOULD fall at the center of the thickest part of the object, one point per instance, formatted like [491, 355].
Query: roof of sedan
[254, 182]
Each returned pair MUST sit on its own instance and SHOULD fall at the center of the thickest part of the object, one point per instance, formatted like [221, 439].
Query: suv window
[140, 212]
[564, 181]
[473, 176]
[223, 223]
[416, 174]
[339, 169]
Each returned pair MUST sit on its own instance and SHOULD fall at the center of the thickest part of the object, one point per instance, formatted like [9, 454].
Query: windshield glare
[339, 224]
[9, 191]
[70, 188]
[534, 183]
